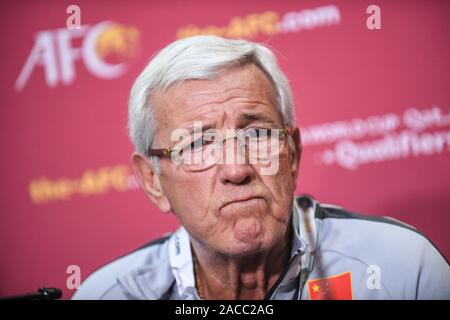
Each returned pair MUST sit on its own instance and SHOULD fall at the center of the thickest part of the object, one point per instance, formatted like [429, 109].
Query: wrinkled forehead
[234, 94]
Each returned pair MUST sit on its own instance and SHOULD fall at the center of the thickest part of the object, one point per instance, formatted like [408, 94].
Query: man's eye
[200, 143]
[258, 133]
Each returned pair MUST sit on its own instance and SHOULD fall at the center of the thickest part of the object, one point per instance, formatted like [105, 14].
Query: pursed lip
[240, 200]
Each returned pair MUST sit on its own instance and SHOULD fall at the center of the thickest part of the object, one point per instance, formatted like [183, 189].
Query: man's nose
[235, 169]
[236, 173]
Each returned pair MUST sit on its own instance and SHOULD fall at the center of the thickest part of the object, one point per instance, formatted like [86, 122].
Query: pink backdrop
[373, 106]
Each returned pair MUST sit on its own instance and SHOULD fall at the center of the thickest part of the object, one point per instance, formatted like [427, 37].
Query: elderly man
[244, 234]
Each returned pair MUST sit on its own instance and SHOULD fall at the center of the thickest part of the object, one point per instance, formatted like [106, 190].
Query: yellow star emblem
[315, 288]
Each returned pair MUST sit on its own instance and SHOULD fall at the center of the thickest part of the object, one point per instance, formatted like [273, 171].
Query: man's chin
[248, 230]
[244, 246]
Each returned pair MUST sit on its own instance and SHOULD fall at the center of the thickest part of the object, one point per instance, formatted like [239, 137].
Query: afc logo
[104, 51]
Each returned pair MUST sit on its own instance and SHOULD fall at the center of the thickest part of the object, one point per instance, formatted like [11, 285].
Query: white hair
[199, 57]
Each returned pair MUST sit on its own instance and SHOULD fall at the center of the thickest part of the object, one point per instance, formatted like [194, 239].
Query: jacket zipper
[280, 279]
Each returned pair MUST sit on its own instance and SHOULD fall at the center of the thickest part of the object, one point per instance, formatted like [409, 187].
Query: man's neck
[236, 278]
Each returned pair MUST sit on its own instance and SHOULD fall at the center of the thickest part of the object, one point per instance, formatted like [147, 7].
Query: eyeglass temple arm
[159, 152]
[288, 130]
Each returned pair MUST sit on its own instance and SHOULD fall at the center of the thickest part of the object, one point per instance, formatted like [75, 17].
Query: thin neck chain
[198, 284]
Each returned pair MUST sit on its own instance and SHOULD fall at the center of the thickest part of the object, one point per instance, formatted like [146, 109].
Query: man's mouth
[248, 201]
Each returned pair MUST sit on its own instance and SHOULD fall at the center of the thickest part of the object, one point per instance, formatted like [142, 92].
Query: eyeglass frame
[167, 152]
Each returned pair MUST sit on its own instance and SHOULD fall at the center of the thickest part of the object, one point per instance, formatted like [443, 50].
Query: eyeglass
[204, 151]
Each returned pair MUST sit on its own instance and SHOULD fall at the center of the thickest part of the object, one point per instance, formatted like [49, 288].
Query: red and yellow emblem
[338, 287]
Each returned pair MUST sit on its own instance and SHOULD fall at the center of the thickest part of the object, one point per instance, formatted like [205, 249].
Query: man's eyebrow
[244, 117]
[259, 117]
[204, 127]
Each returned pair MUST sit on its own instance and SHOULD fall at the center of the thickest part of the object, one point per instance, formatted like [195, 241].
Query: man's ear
[297, 154]
[150, 181]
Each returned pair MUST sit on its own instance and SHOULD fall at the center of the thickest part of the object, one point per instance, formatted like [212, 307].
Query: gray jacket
[335, 254]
